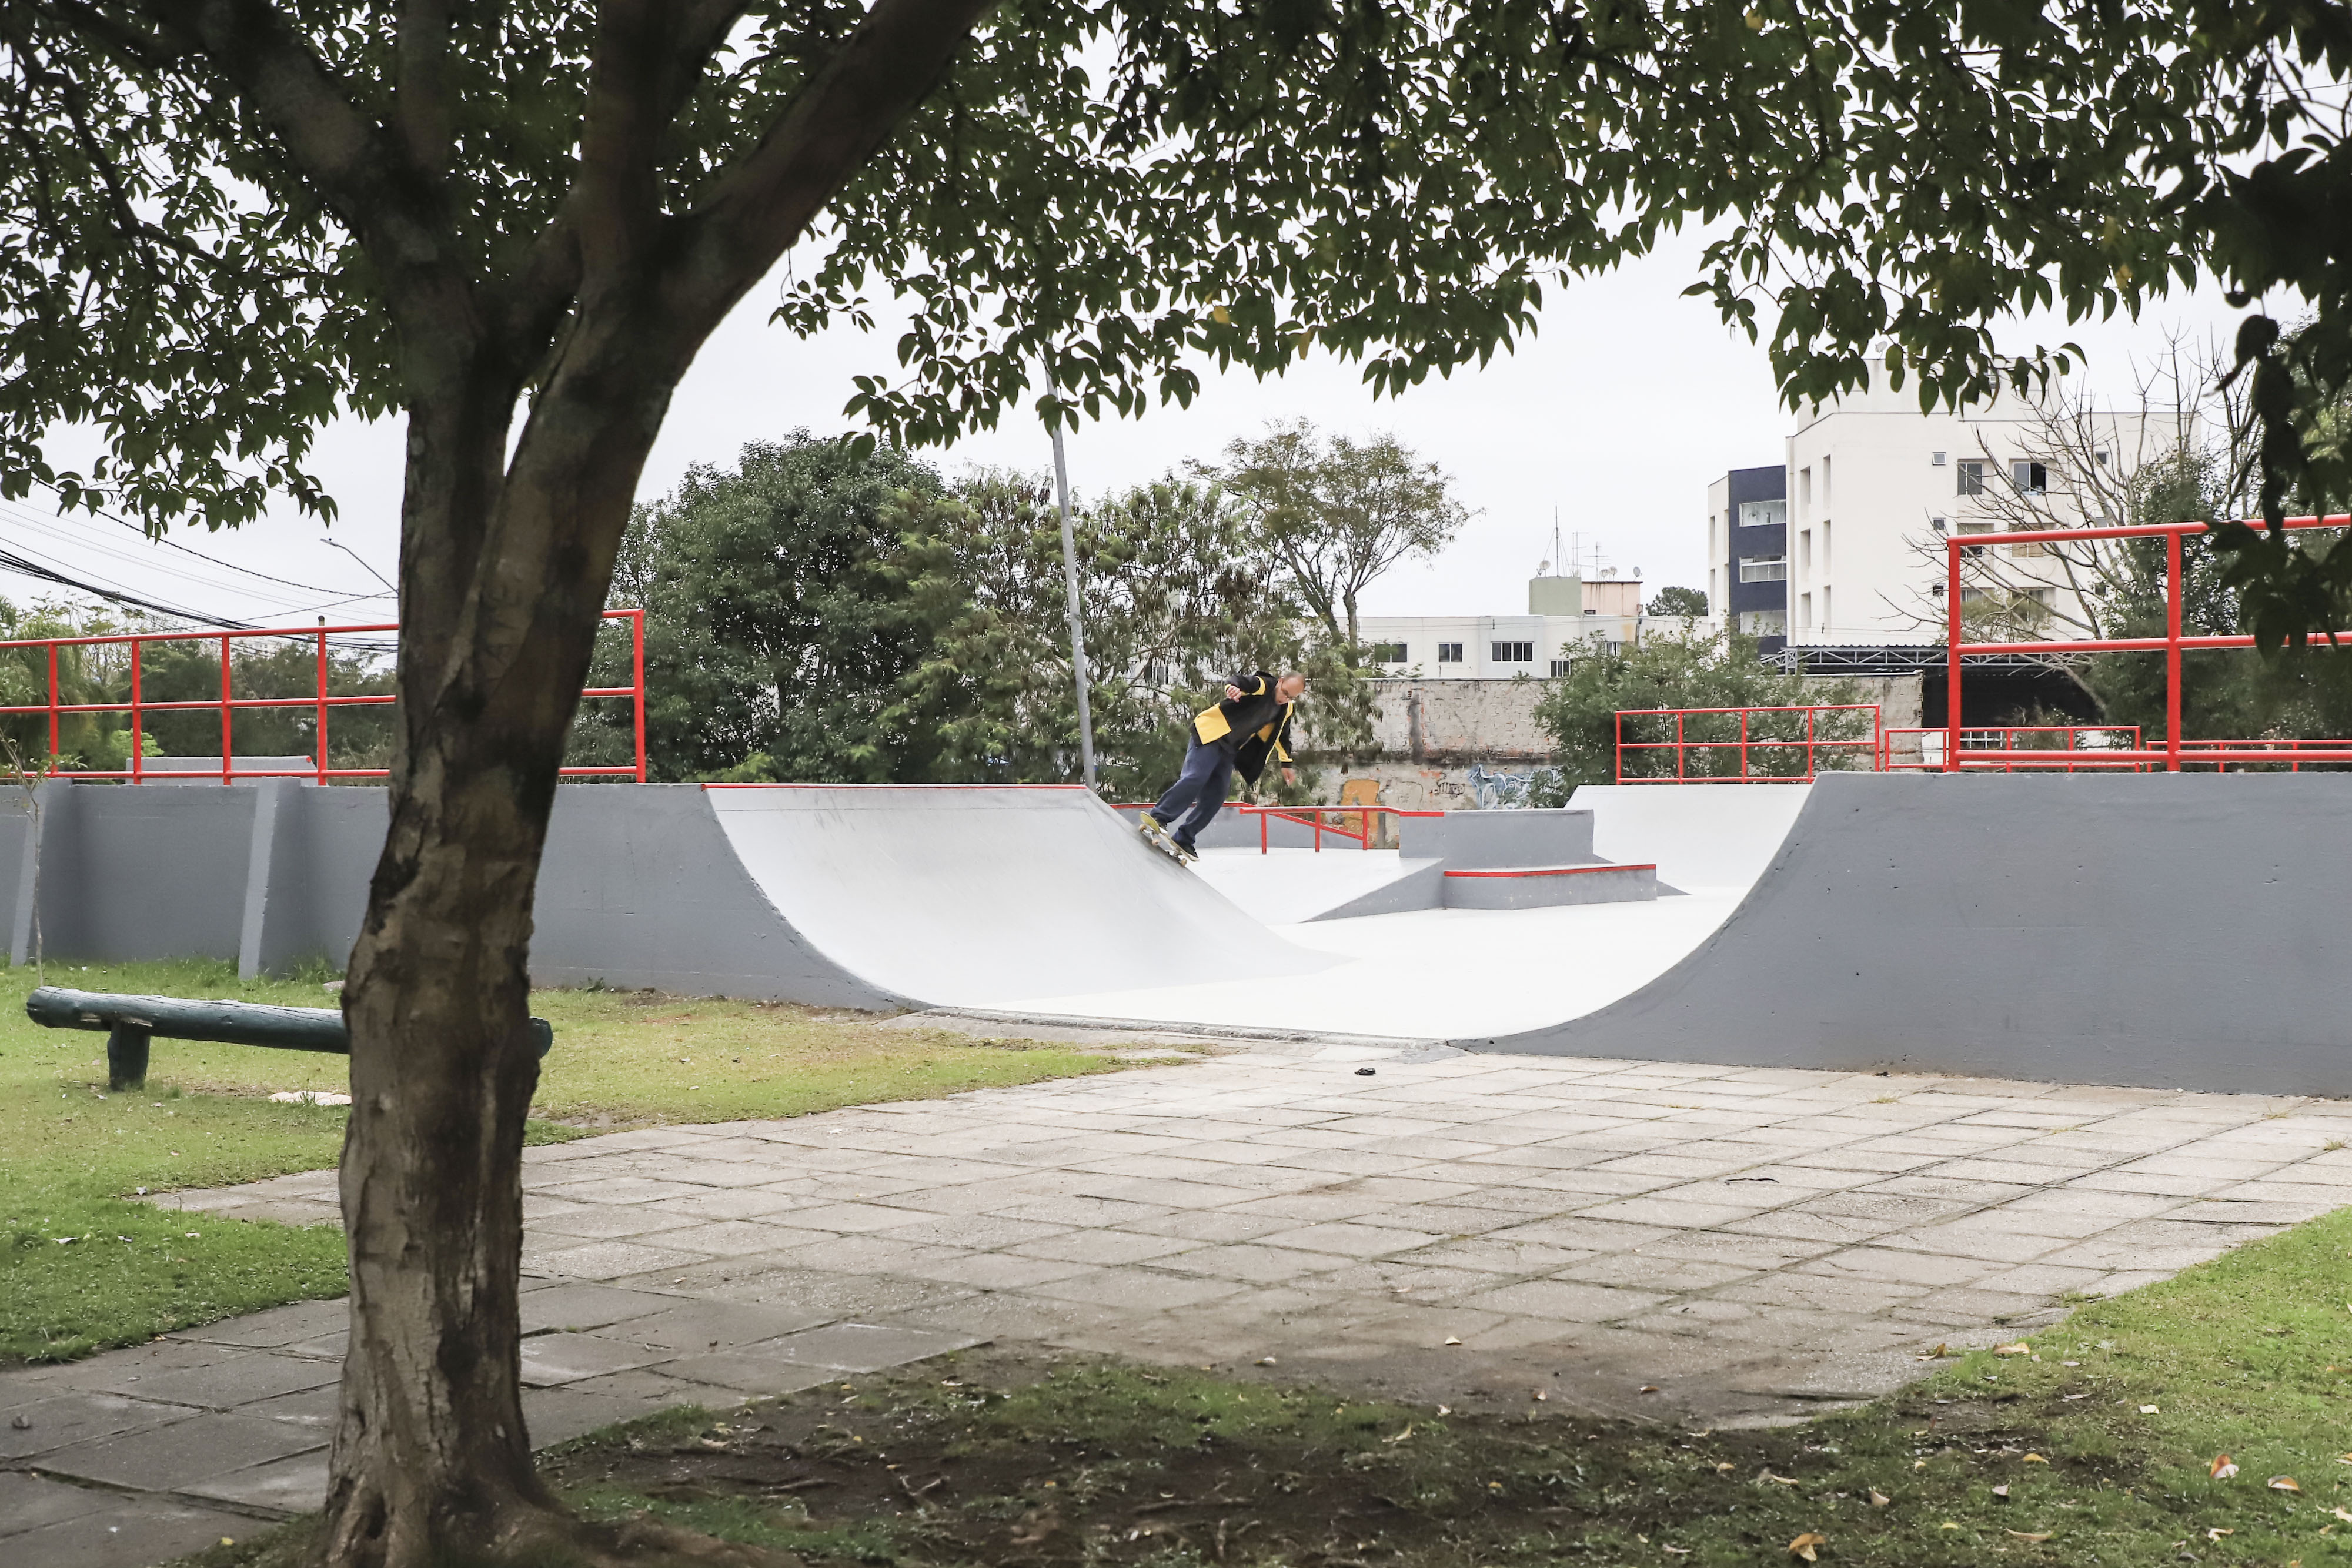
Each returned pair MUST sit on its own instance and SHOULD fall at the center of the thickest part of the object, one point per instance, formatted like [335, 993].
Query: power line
[169, 543]
[11, 562]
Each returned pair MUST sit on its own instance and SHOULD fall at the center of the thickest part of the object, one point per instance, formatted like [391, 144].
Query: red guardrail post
[54, 736]
[1952, 655]
[228, 713]
[135, 747]
[2172, 652]
[322, 699]
[638, 664]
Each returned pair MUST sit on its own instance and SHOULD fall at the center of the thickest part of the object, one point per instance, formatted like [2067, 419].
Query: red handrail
[318, 702]
[1682, 745]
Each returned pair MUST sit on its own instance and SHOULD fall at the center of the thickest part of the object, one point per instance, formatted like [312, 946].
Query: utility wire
[169, 543]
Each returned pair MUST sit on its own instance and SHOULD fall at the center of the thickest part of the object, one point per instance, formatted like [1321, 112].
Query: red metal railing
[1810, 742]
[230, 705]
[2292, 752]
[2173, 644]
[1995, 748]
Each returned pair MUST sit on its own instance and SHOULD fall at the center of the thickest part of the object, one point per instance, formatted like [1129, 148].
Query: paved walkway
[1715, 1244]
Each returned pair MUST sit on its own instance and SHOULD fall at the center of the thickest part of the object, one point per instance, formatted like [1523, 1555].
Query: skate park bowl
[2172, 931]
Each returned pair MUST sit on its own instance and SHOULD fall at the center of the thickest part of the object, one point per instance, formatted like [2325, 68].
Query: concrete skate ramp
[972, 896]
[2175, 931]
[1698, 835]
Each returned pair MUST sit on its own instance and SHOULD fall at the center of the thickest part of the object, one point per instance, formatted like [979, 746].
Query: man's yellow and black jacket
[1256, 725]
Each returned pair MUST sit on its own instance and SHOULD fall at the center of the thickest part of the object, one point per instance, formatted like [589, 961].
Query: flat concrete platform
[1756, 1244]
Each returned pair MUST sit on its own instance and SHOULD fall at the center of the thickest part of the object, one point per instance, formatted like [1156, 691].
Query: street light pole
[1077, 624]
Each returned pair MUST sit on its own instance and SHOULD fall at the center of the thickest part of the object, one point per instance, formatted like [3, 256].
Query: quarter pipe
[2175, 930]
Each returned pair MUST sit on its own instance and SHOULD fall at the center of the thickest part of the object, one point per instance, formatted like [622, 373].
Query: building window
[1449, 652]
[1805, 609]
[1558, 667]
[1612, 649]
[1388, 653]
[2099, 458]
[1805, 492]
[1825, 545]
[1764, 623]
[1936, 524]
[2031, 478]
[1764, 569]
[1805, 553]
[1937, 461]
[1763, 514]
[1513, 654]
[1975, 529]
[1972, 478]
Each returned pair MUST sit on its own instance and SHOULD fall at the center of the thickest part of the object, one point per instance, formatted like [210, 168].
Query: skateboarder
[1235, 736]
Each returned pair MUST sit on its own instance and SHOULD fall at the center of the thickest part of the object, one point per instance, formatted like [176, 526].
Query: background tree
[776, 625]
[1339, 514]
[1679, 601]
[226, 219]
[1178, 591]
[1579, 712]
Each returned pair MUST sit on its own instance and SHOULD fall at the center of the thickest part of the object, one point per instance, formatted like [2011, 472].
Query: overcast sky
[1618, 413]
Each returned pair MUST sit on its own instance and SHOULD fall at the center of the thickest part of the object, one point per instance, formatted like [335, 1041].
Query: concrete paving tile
[2224, 1209]
[1210, 1226]
[1429, 1327]
[1072, 1212]
[1840, 1292]
[132, 1532]
[850, 1219]
[555, 1415]
[240, 1378]
[1735, 1250]
[583, 1188]
[1651, 1269]
[317, 1408]
[1962, 1308]
[1354, 1240]
[743, 1203]
[67, 1416]
[28, 1502]
[979, 1233]
[1549, 1156]
[1173, 1194]
[604, 1259]
[745, 1373]
[1343, 1202]
[1965, 1192]
[168, 1459]
[1660, 1211]
[551, 1360]
[836, 1295]
[278, 1326]
[2044, 1279]
[1899, 1267]
[1368, 1285]
[582, 1307]
[1460, 1220]
[2148, 1183]
[999, 1270]
[1565, 1301]
[1583, 1234]
[691, 1327]
[1487, 1255]
[860, 1347]
[1102, 1247]
[1150, 1289]
[853, 1255]
[732, 1238]
[294, 1485]
[1256, 1262]
[121, 1369]
[2080, 1196]
[1977, 1236]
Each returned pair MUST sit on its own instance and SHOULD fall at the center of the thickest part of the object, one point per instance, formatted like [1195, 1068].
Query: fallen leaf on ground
[1451, 1340]
[2284, 1483]
[2339, 1513]
[2222, 1469]
[2217, 1533]
[2001, 1493]
[2033, 1536]
[1947, 1524]
[2149, 1410]
[2034, 1460]
[1765, 1475]
[1804, 1544]
[2020, 1348]
[1649, 1389]
[1879, 1499]
[1724, 1468]
[1400, 1436]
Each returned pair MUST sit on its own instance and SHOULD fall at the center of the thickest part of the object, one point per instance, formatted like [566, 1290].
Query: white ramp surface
[1699, 835]
[975, 897]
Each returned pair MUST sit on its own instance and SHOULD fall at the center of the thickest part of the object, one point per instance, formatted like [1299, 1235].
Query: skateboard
[1156, 837]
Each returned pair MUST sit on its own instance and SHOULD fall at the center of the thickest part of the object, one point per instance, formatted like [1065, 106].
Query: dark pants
[1198, 794]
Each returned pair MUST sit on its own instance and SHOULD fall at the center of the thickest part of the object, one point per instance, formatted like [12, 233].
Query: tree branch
[366, 177]
[420, 92]
[834, 124]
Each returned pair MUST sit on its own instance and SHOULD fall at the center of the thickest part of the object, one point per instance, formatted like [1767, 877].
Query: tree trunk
[502, 579]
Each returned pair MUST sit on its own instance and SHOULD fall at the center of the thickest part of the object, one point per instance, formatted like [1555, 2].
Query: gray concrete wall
[1482, 840]
[638, 887]
[2175, 931]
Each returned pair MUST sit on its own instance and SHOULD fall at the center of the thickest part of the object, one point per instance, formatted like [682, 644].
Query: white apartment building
[1874, 488]
[1566, 616]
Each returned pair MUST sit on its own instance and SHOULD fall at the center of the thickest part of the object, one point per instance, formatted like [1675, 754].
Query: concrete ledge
[1545, 887]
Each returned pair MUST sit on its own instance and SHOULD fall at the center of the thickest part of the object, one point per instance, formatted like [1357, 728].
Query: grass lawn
[2094, 1445]
[81, 1268]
